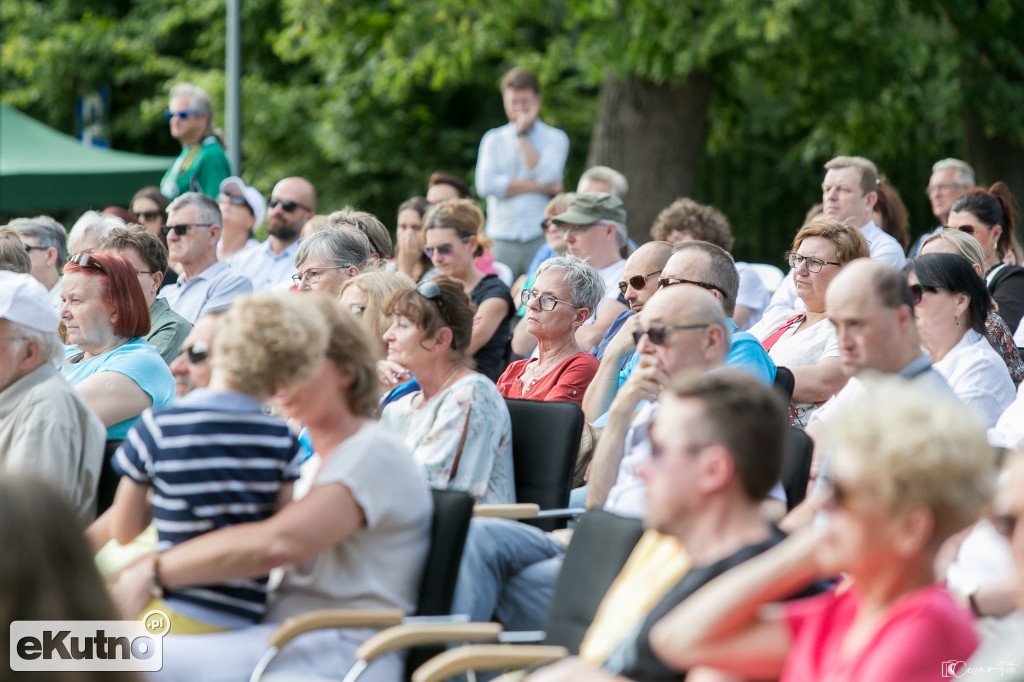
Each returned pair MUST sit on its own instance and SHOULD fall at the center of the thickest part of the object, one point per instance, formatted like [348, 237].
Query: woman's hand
[392, 374]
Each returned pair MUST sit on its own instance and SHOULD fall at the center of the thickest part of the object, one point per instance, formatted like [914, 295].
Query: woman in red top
[562, 298]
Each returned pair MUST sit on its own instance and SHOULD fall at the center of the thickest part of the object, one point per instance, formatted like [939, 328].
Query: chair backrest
[796, 465]
[452, 511]
[600, 546]
[545, 442]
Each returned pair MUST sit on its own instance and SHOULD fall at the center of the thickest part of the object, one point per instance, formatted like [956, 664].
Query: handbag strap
[462, 443]
[777, 334]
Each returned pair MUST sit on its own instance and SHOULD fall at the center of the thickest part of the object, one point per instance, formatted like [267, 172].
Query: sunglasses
[549, 225]
[430, 291]
[86, 260]
[1006, 524]
[184, 114]
[917, 292]
[181, 228]
[150, 215]
[442, 249]
[672, 281]
[234, 200]
[198, 353]
[638, 282]
[30, 248]
[659, 335]
[287, 206]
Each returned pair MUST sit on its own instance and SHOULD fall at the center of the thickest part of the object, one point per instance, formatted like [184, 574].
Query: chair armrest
[485, 657]
[405, 636]
[333, 618]
[523, 510]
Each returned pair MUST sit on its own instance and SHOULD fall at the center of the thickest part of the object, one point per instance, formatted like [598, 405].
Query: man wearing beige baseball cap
[45, 428]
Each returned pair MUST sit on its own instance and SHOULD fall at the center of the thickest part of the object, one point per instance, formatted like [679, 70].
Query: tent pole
[232, 86]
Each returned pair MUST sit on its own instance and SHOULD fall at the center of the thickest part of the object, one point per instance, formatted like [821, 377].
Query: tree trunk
[994, 158]
[654, 135]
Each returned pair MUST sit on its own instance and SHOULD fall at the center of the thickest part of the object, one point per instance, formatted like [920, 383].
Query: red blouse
[567, 381]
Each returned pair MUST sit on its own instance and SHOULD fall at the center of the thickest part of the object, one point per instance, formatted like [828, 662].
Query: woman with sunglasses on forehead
[457, 424]
[109, 363]
[453, 237]
[988, 216]
[950, 306]
[202, 164]
[910, 470]
[805, 341]
[560, 300]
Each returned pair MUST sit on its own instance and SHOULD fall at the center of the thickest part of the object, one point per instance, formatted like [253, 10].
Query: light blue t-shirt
[138, 361]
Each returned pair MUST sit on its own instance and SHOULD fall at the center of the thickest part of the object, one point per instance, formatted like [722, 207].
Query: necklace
[536, 373]
[440, 390]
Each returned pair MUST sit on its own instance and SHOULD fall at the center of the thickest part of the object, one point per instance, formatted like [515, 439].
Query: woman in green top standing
[202, 164]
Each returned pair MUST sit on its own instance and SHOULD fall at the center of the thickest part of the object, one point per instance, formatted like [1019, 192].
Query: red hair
[120, 292]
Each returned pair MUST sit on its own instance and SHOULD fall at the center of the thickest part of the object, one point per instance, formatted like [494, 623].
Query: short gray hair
[207, 209]
[343, 248]
[50, 346]
[616, 180]
[964, 172]
[198, 99]
[45, 230]
[369, 225]
[585, 285]
[719, 269]
[92, 222]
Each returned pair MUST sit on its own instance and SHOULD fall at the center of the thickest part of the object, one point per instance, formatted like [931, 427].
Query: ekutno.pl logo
[89, 645]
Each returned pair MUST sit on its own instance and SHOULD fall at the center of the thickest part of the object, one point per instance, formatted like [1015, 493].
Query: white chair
[770, 275]
[504, 273]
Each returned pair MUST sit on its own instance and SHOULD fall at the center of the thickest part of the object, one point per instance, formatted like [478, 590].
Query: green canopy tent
[42, 169]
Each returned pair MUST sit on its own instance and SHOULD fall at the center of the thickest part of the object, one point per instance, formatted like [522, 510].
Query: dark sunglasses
[1006, 524]
[442, 249]
[198, 353]
[549, 225]
[150, 215]
[184, 114]
[86, 260]
[672, 281]
[638, 282]
[430, 291]
[917, 292]
[659, 335]
[287, 206]
[181, 228]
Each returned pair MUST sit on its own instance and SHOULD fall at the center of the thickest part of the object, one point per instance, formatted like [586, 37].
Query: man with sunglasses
[272, 264]
[45, 240]
[242, 210]
[193, 230]
[202, 163]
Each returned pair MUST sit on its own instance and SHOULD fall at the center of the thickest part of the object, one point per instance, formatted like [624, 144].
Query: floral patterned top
[1001, 338]
[433, 432]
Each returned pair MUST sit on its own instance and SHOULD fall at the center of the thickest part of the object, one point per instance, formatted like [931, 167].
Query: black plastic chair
[545, 443]
[796, 465]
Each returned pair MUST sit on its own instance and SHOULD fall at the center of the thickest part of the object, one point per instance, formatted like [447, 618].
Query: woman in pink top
[910, 469]
[565, 292]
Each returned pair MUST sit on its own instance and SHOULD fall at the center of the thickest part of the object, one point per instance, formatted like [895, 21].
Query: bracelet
[156, 590]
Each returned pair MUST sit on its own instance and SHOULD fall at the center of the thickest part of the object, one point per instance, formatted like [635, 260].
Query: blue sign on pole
[92, 117]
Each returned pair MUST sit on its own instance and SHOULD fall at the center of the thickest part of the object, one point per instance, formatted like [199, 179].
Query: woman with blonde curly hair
[364, 297]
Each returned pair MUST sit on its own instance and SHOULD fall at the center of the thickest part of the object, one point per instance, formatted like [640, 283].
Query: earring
[956, 319]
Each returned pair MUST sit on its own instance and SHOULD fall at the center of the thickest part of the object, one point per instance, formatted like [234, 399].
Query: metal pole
[233, 86]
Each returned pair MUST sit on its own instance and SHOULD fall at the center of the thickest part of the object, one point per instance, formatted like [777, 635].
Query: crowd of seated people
[261, 423]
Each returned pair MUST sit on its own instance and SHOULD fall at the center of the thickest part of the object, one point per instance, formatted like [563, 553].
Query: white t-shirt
[978, 376]
[753, 294]
[611, 275]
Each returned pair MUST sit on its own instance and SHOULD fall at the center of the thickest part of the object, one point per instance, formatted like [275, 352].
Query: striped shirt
[215, 460]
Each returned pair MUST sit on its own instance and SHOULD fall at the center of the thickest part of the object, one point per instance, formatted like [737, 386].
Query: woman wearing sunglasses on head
[109, 363]
[950, 306]
[565, 292]
[202, 164]
[452, 234]
[805, 341]
[457, 424]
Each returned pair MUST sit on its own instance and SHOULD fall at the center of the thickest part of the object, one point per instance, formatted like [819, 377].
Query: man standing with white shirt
[519, 168]
[272, 264]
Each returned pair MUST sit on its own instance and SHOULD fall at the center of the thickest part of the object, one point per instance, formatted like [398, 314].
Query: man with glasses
[681, 329]
[45, 240]
[191, 369]
[950, 179]
[272, 264]
[193, 230]
[202, 163]
[242, 210]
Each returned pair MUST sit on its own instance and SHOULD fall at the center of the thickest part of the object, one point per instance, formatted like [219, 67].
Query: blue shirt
[137, 360]
[266, 269]
[212, 289]
[214, 460]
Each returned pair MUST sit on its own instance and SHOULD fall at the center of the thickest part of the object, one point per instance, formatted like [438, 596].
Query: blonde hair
[919, 449]
[377, 286]
[267, 340]
[351, 349]
[966, 245]
[461, 215]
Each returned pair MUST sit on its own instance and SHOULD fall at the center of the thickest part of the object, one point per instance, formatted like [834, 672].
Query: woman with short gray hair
[565, 292]
[329, 257]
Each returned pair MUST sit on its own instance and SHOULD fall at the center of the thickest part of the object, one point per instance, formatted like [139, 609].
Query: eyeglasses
[184, 114]
[566, 229]
[181, 228]
[198, 353]
[30, 248]
[87, 260]
[659, 335]
[234, 200]
[430, 291]
[941, 187]
[357, 309]
[313, 275]
[672, 281]
[638, 282]
[813, 264]
[545, 301]
[287, 206]
[442, 249]
[150, 215]
[549, 225]
[144, 272]
[1006, 524]
[917, 292]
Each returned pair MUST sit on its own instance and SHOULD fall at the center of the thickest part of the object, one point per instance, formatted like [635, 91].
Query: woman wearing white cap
[242, 209]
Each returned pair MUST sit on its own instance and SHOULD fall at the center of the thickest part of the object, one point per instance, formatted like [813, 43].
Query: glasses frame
[942, 186]
[659, 335]
[197, 353]
[287, 205]
[184, 114]
[150, 215]
[443, 249]
[638, 282]
[29, 248]
[526, 295]
[810, 261]
[429, 290]
[918, 290]
[317, 272]
[664, 282]
[181, 229]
